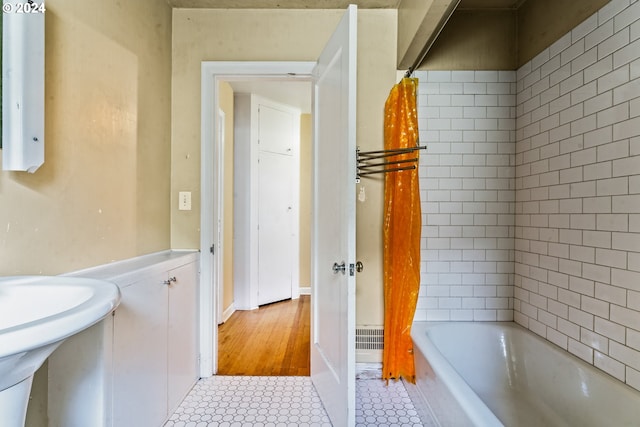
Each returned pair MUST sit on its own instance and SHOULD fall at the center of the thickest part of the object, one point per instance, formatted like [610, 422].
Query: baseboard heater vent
[369, 339]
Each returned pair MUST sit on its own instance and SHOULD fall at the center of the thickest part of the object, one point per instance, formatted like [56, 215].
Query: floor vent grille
[369, 339]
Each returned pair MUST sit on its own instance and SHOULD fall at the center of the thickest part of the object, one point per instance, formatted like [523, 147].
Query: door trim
[213, 72]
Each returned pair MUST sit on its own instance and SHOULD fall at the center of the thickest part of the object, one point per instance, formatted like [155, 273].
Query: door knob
[359, 267]
[337, 268]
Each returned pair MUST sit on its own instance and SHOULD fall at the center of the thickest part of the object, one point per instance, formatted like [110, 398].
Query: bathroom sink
[36, 314]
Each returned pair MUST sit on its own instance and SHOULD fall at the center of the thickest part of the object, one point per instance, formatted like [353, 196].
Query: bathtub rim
[473, 406]
[599, 374]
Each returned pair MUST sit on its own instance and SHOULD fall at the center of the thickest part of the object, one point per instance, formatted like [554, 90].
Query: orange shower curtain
[401, 233]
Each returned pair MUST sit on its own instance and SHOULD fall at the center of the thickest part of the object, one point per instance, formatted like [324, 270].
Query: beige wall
[225, 99]
[305, 199]
[282, 35]
[376, 76]
[225, 35]
[103, 191]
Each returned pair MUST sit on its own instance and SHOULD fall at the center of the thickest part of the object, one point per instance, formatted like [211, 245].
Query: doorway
[333, 255]
[238, 75]
[264, 322]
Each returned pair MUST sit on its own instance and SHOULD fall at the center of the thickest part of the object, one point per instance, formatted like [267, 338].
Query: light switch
[184, 200]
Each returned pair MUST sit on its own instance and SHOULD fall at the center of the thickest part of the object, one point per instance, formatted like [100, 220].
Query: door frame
[211, 184]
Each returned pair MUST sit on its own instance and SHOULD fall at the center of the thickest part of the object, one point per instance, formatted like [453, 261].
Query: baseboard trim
[305, 291]
[228, 312]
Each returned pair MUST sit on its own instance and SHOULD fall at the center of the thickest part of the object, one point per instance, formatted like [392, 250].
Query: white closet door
[275, 206]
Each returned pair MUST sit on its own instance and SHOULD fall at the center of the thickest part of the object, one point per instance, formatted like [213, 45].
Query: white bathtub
[498, 373]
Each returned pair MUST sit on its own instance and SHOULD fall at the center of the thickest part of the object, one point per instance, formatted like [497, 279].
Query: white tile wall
[577, 243]
[531, 193]
[467, 120]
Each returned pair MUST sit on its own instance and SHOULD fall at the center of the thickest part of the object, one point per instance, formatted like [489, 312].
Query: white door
[275, 205]
[333, 224]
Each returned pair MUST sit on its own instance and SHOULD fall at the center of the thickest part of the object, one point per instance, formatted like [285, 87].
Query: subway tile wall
[467, 120]
[577, 162]
[531, 193]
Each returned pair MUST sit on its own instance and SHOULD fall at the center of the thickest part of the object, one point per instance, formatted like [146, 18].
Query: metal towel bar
[366, 164]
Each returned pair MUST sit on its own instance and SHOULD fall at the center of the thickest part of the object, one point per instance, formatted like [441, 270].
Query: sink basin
[36, 314]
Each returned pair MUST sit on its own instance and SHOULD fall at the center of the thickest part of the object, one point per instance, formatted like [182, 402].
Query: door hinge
[212, 249]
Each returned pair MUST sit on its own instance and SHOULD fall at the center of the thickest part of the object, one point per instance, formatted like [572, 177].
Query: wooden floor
[270, 341]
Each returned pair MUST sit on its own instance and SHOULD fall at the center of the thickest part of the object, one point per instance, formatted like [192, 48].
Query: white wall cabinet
[135, 367]
[23, 51]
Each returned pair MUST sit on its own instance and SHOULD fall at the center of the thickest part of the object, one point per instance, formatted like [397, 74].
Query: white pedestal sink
[36, 314]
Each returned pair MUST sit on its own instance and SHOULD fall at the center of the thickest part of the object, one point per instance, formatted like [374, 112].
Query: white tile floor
[379, 404]
[287, 401]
